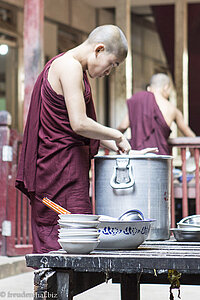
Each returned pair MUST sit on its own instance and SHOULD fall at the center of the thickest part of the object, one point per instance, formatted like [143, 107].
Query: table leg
[130, 287]
[64, 285]
[45, 284]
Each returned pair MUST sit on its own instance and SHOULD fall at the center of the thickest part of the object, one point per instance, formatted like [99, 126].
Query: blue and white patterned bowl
[117, 235]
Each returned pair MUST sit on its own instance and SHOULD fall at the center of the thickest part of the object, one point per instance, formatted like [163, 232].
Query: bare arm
[123, 126]
[110, 145]
[183, 127]
[73, 92]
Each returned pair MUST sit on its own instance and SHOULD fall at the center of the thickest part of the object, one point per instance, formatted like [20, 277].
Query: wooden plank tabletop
[150, 256]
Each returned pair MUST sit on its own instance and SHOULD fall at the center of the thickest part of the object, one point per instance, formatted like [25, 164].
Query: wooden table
[61, 275]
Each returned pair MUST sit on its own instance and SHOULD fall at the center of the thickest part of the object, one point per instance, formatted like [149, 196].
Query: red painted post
[33, 47]
[173, 217]
[19, 242]
[196, 156]
[184, 184]
[5, 121]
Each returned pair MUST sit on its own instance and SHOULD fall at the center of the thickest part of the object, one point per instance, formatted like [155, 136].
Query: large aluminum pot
[140, 182]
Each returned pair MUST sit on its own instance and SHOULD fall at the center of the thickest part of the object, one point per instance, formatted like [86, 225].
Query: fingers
[123, 146]
[148, 150]
[144, 151]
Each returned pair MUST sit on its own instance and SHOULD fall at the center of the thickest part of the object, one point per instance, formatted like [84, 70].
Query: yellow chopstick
[57, 208]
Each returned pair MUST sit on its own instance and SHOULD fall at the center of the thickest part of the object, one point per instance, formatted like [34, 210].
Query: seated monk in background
[150, 116]
[62, 134]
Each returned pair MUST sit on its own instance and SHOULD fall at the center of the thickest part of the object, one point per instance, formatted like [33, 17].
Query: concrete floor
[21, 287]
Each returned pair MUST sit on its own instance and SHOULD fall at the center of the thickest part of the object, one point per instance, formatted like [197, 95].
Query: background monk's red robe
[55, 161]
[148, 126]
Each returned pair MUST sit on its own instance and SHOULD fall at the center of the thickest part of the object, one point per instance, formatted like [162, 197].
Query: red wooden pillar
[184, 184]
[6, 157]
[173, 216]
[33, 46]
[196, 156]
[173, 208]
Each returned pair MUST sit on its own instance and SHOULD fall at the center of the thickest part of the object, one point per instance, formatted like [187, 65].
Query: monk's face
[167, 91]
[102, 63]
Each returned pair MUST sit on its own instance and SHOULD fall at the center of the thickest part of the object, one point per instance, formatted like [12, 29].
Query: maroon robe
[54, 161]
[148, 126]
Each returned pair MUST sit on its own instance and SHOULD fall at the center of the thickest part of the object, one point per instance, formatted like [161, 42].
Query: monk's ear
[148, 88]
[99, 48]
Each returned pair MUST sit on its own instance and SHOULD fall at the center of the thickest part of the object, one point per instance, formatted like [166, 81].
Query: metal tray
[186, 235]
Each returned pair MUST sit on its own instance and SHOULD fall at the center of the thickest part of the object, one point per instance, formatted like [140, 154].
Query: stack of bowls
[78, 233]
[188, 229]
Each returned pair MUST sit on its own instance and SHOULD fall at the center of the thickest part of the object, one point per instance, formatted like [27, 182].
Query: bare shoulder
[168, 110]
[65, 71]
[171, 107]
[67, 64]
[166, 106]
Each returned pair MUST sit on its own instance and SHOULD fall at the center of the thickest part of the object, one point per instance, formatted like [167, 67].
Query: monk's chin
[93, 76]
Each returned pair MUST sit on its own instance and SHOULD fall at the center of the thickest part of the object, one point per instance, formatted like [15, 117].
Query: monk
[62, 134]
[150, 116]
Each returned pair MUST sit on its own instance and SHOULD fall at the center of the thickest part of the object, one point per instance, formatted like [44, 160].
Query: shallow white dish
[78, 247]
[77, 239]
[76, 224]
[82, 230]
[79, 236]
[188, 226]
[123, 234]
[107, 218]
[78, 217]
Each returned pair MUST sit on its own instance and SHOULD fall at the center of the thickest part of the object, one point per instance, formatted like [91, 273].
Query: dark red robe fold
[54, 161]
[148, 126]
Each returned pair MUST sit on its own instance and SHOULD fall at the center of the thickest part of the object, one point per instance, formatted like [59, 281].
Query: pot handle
[122, 177]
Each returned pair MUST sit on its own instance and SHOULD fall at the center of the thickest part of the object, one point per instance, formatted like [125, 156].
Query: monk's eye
[115, 65]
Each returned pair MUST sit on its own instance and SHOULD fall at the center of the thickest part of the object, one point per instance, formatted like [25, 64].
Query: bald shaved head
[159, 80]
[112, 37]
[160, 83]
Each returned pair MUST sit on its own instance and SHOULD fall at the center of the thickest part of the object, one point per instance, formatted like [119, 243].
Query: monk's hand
[123, 145]
[144, 151]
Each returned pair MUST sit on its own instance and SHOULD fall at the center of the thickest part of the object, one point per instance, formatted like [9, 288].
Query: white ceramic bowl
[189, 226]
[194, 219]
[123, 234]
[107, 218]
[76, 224]
[78, 217]
[79, 236]
[78, 247]
[81, 230]
[132, 215]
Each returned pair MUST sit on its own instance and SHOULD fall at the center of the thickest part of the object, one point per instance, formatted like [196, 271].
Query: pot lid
[142, 156]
